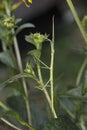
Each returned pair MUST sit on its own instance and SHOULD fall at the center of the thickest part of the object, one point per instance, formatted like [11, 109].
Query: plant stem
[45, 91]
[75, 15]
[3, 46]
[82, 124]
[52, 66]
[50, 100]
[68, 111]
[10, 124]
[19, 61]
[81, 72]
[13, 57]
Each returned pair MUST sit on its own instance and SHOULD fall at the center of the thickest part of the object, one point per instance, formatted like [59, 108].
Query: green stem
[3, 46]
[45, 91]
[81, 72]
[82, 123]
[70, 114]
[19, 61]
[10, 124]
[13, 57]
[52, 66]
[50, 100]
[75, 15]
[68, 111]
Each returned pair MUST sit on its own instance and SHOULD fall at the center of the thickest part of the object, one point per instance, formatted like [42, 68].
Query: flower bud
[29, 69]
[9, 22]
[36, 39]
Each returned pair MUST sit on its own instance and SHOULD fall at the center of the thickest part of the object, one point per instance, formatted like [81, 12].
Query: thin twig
[46, 66]
[78, 80]
[52, 66]
[75, 15]
[45, 91]
[82, 123]
[10, 124]
[19, 61]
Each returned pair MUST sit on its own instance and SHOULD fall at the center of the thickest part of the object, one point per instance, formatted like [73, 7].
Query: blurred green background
[68, 54]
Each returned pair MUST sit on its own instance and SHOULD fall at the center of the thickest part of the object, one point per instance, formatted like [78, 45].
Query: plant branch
[50, 100]
[13, 57]
[19, 61]
[67, 110]
[75, 15]
[81, 72]
[45, 66]
[52, 66]
[10, 124]
[45, 91]
[3, 45]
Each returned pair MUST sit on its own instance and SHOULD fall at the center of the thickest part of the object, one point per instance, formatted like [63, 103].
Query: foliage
[16, 110]
[61, 124]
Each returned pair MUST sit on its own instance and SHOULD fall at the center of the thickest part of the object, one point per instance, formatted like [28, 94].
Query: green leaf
[35, 53]
[15, 78]
[16, 5]
[76, 92]
[6, 92]
[36, 39]
[26, 25]
[15, 115]
[5, 58]
[30, 39]
[18, 20]
[4, 106]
